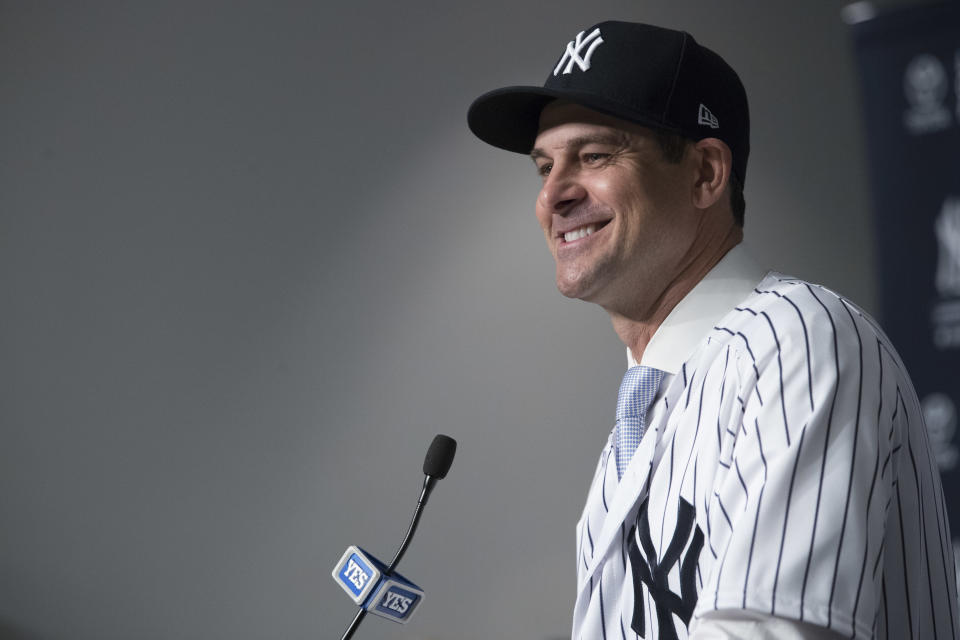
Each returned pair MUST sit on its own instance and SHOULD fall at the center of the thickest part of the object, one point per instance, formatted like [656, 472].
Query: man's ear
[714, 164]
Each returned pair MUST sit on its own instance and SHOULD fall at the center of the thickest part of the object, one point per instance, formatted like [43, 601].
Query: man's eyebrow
[616, 139]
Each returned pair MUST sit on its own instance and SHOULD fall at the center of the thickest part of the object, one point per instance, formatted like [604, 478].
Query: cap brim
[508, 118]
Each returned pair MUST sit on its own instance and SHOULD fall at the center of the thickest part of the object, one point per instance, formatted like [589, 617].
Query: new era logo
[572, 56]
[707, 118]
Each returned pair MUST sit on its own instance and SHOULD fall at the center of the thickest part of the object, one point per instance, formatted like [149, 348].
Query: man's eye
[544, 169]
[594, 158]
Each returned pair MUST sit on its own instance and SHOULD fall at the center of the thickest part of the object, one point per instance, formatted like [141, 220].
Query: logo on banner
[956, 82]
[948, 244]
[946, 311]
[925, 85]
[574, 50]
[940, 415]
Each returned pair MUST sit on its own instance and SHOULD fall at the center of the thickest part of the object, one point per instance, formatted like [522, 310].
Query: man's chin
[577, 289]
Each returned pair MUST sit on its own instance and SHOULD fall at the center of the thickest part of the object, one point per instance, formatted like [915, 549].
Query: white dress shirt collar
[724, 286]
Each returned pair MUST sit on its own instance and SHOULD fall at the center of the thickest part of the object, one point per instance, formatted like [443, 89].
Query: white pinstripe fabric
[637, 391]
[793, 436]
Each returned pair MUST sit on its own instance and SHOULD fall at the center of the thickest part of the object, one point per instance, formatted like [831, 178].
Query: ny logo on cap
[572, 55]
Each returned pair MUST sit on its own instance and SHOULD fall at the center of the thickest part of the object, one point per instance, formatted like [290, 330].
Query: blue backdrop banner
[909, 62]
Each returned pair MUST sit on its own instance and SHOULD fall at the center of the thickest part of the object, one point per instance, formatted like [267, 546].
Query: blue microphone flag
[363, 577]
[358, 573]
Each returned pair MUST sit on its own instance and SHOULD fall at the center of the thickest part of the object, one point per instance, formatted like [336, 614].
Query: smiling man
[768, 473]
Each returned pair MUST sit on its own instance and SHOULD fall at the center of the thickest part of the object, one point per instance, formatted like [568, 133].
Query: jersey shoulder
[785, 316]
[792, 305]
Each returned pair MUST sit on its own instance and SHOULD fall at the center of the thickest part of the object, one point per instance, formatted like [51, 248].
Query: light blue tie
[637, 391]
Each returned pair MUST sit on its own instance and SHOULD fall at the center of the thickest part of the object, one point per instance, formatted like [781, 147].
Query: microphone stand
[428, 483]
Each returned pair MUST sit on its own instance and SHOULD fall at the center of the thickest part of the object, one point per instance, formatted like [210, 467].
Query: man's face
[618, 218]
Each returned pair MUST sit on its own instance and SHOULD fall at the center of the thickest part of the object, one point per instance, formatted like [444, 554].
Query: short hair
[673, 146]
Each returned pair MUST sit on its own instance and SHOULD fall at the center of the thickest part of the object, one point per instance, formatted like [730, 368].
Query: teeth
[582, 232]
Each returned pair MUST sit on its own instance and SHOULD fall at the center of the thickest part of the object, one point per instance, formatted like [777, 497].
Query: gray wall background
[251, 261]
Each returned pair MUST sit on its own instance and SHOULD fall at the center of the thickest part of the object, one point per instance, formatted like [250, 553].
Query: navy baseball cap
[656, 77]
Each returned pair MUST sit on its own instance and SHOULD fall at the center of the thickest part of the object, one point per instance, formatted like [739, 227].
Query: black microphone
[439, 456]
[376, 587]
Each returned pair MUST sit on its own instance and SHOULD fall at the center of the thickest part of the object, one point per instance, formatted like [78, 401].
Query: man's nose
[561, 190]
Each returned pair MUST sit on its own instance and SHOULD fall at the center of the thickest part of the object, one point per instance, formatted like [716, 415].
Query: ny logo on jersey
[684, 549]
[572, 55]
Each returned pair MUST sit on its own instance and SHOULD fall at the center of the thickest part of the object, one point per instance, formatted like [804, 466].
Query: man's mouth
[582, 232]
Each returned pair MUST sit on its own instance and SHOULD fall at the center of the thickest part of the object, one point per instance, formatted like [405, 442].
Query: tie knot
[637, 390]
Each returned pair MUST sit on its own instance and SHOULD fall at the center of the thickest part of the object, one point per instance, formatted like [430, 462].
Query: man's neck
[636, 332]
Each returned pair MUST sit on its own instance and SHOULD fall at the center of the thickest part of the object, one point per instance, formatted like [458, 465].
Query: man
[769, 474]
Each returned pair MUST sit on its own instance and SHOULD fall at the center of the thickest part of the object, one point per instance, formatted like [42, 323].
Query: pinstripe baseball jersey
[785, 469]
